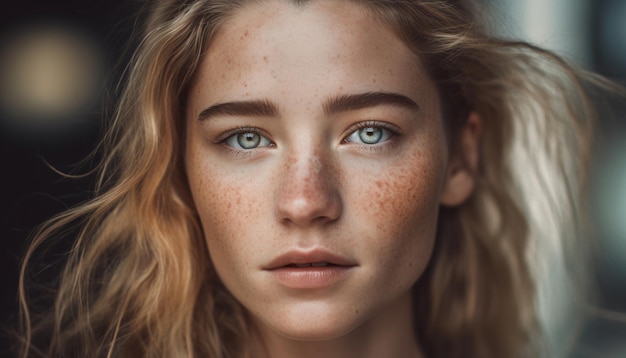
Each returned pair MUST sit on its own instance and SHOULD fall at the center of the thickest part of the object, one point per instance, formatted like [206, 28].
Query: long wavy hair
[138, 280]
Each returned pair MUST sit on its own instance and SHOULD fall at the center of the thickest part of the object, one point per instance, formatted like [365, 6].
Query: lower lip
[310, 277]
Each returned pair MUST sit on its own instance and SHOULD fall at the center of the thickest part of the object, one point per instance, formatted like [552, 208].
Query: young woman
[323, 178]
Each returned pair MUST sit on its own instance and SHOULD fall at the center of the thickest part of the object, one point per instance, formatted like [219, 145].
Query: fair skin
[314, 136]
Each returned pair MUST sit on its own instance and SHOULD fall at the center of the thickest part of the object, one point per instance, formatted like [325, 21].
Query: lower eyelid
[373, 148]
[238, 154]
[241, 153]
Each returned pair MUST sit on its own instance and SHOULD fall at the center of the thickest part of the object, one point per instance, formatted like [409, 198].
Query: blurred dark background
[60, 61]
[59, 64]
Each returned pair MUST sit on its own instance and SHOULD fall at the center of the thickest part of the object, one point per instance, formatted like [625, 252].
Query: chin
[314, 325]
[315, 333]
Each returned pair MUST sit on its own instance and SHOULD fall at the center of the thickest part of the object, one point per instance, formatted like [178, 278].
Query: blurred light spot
[49, 75]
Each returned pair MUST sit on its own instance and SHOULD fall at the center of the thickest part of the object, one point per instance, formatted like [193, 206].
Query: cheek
[404, 204]
[227, 216]
[406, 194]
[225, 211]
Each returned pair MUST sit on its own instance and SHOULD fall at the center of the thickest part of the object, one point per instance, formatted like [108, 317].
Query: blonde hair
[139, 282]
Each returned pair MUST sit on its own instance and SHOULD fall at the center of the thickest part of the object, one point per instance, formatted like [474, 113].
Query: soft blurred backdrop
[591, 34]
[60, 62]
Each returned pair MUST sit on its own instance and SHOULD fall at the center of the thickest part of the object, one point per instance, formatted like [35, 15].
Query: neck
[389, 333]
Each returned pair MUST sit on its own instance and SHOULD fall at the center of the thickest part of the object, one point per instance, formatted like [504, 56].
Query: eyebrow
[354, 102]
[343, 103]
[262, 108]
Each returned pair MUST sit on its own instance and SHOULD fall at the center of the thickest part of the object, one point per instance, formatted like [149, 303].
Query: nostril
[319, 209]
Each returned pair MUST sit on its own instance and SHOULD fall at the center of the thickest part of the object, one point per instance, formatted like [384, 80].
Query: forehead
[323, 46]
[315, 19]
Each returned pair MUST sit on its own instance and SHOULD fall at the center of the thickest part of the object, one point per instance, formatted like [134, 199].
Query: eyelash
[238, 130]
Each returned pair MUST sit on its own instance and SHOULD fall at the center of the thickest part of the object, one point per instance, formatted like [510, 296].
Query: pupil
[248, 140]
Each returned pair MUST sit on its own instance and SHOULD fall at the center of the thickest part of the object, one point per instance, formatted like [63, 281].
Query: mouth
[310, 270]
[313, 264]
[315, 258]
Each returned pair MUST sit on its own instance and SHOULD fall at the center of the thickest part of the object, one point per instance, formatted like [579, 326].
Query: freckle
[265, 59]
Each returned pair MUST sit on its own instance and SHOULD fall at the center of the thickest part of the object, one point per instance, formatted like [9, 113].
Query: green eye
[247, 140]
[369, 135]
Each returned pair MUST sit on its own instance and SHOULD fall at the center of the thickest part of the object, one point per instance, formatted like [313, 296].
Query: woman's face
[316, 158]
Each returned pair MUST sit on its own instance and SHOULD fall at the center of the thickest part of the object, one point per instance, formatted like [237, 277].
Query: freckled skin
[311, 188]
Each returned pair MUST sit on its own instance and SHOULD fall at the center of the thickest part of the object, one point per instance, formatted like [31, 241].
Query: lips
[313, 270]
[302, 259]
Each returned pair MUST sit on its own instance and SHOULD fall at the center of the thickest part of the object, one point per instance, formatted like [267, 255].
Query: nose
[308, 194]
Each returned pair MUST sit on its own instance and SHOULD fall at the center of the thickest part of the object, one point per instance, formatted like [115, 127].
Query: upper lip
[298, 257]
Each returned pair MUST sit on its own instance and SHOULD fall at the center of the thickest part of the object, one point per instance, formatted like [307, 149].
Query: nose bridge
[308, 191]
